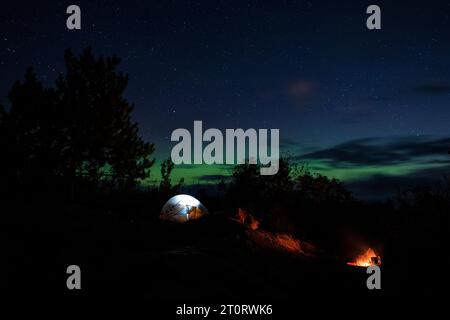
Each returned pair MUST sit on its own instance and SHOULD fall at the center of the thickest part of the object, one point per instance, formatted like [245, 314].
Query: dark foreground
[210, 261]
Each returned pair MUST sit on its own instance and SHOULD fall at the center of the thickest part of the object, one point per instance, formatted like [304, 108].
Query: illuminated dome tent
[182, 208]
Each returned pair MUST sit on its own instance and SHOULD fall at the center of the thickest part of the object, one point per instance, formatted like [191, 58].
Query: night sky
[368, 107]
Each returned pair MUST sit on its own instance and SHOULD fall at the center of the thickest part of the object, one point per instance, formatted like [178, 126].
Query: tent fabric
[182, 208]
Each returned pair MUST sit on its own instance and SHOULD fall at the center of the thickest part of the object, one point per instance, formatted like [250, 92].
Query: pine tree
[103, 143]
[81, 130]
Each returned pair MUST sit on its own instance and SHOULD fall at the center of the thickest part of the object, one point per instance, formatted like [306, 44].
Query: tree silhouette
[102, 141]
[285, 200]
[165, 185]
[319, 188]
[80, 130]
[249, 188]
[28, 132]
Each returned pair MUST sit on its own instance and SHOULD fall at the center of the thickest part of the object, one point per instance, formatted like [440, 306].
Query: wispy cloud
[215, 178]
[301, 92]
[382, 186]
[378, 167]
[382, 151]
[433, 89]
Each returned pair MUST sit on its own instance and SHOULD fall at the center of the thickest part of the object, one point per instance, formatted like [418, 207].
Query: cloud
[288, 143]
[382, 166]
[433, 89]
[213, 178]
[381, 151]
[301, 92]
[381, 186]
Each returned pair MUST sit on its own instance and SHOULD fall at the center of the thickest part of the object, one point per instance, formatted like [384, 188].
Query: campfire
[287, 243]
[367, 259]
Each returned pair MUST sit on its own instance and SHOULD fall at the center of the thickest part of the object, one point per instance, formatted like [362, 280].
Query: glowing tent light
[182, 208]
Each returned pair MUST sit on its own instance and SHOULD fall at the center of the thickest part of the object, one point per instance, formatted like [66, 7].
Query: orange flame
[288, 242]
[254, 224]
[246, 219]
[240, 216]
[277, 241]
[368, 258]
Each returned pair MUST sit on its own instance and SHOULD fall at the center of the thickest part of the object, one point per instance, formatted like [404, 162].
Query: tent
[182, 208]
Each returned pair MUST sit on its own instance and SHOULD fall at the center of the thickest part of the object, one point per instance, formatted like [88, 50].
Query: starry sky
[368, 107]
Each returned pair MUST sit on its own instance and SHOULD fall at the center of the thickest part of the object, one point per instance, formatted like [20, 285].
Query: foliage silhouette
[165, 186]
[78, 132]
